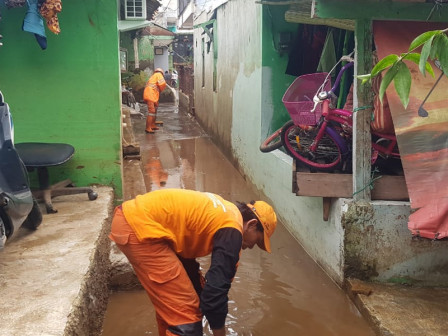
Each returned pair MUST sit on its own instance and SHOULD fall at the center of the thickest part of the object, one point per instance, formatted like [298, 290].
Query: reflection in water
[154, 170]
[282, 293]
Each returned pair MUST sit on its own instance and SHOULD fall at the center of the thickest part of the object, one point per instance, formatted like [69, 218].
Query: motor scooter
[18, 208]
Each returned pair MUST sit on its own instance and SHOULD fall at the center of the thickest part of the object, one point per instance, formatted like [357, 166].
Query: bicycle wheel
[328, 155]
[272, 142]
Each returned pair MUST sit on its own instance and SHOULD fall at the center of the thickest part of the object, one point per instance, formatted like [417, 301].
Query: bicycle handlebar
[322, 95]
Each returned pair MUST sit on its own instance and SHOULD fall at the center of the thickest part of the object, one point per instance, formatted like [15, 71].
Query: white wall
[161, 61]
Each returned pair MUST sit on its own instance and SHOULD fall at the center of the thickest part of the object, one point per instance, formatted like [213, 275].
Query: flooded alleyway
[282, 293]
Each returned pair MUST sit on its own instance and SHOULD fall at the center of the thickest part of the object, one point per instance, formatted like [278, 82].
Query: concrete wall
[69, 92]
[379, 246]
[373, 243]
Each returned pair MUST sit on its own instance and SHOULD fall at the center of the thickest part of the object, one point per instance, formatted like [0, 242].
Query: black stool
[36, 155]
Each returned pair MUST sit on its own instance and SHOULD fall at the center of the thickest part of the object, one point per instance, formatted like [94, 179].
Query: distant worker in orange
[155, 84]
[163, 231]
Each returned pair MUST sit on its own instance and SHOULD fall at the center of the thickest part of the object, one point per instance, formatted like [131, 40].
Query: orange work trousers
[163, 276]
[152, 107]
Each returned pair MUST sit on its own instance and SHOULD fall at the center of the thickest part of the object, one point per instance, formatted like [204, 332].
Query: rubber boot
[149, 123]
[154, 124]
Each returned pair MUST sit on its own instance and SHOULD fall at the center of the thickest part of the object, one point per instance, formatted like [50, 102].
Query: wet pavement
[53, 281]
[283, 293]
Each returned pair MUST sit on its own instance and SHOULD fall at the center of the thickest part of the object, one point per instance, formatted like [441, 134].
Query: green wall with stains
[69, 92]
[273, 23]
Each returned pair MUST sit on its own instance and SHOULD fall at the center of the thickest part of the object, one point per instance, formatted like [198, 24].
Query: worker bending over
[162, 232]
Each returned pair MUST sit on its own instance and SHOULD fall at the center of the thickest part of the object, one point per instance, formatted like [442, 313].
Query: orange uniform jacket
[155, 84]
[189, 219]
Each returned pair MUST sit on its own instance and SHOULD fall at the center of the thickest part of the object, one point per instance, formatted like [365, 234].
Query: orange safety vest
[155, 84]
[187, 218]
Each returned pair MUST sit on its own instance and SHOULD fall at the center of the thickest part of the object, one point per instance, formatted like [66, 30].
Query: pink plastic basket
[298, 99]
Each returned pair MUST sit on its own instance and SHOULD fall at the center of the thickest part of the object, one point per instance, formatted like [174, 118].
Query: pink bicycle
[320, 135]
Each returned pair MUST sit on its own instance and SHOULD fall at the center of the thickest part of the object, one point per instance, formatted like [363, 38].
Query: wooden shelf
[386, 187]
[328, 186]
[392, 188]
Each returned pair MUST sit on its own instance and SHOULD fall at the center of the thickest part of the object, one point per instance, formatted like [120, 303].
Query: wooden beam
[301, 13]
[326, 207]
[386, 187]
[362, 107]
[377, 10]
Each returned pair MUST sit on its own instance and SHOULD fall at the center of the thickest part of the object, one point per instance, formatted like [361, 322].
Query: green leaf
[423, 38]
[426, 50]
[443, 54]
[402, 83]
[384, 63]
[387, 79]
[364, 78]
[415, 57]
[435, 47]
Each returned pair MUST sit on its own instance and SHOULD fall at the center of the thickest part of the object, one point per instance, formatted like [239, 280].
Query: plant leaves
[435, 46]
[443, 54]
[423, 38]
[384, 63]
[426, 50]
[364, 78]
[387, 79]
[415, 57]
[402, 83]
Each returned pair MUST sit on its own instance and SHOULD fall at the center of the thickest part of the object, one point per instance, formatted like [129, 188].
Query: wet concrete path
[283, 293]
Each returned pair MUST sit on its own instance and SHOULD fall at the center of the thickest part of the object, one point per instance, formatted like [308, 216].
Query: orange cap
[268, 219]
[159, 70]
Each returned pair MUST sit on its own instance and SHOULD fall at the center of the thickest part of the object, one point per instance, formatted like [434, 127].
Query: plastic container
[298, 99]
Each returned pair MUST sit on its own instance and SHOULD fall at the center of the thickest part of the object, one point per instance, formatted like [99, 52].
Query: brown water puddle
[282, 293]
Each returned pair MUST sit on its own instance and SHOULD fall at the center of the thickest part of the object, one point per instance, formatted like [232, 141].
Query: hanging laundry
[14, 3]
[328, 56]
[49, 10]
[33, 23]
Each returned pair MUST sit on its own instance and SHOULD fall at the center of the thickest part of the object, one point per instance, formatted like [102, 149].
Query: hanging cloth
[49, 11]
[14, 3]
[33, 23]
[328, 56]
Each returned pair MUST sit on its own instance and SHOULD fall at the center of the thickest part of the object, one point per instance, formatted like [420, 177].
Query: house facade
[242, 53]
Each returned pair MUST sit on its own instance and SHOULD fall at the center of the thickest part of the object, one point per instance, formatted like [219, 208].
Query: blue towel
[33, 23]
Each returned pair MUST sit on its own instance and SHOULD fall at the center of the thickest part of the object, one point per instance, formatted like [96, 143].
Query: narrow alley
[283, 293]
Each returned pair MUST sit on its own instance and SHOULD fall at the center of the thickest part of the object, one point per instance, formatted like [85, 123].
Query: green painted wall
[69, 92]
[273, 23]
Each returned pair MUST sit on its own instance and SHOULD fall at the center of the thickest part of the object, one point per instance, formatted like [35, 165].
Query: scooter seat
[37, 154]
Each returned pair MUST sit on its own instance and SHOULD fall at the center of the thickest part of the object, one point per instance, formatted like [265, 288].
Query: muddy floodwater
[282, 293]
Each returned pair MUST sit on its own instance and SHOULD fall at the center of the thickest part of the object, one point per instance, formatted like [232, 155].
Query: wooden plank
[324, 185]
[390, 188]
[301, 13]
[386, 187]
[377, 10]
[326, 207]
[362, 103]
